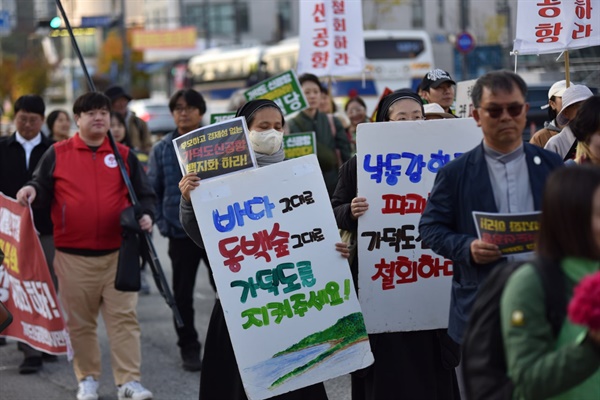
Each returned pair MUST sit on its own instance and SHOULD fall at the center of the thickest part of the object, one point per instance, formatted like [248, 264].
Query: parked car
[156, 113]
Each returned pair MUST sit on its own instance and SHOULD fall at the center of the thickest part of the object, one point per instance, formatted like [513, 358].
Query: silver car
[156, 113]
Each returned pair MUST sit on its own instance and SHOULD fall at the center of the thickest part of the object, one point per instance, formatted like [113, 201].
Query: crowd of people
[75, 189]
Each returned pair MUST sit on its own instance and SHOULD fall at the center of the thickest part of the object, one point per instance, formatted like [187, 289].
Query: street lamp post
[126, 72]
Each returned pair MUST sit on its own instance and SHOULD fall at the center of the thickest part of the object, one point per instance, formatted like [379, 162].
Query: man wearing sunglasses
[501, 175]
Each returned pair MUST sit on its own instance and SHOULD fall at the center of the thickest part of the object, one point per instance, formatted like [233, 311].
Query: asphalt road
[161, 365]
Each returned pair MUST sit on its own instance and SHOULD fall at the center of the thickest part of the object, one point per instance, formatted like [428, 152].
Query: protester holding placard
[586, 128]
[554, 106]
[565, 143]
[220, 377]
[188, 108]
[333, 147]
[80, 179]
[542, 364]
[502, 175]
[19, 156]
[408, 364]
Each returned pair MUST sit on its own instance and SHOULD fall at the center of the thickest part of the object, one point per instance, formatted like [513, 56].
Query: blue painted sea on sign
[261, 376]
[268, 371]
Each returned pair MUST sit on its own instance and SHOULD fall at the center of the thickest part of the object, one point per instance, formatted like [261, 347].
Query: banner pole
[567, 72]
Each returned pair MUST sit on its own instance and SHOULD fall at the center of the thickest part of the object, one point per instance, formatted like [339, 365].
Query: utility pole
[182, 21]
[502, 8]
[126, 72]
[236, 22]
[464, 24]
[206, 23]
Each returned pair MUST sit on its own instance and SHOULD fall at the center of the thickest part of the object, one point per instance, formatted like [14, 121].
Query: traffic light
[53, 23]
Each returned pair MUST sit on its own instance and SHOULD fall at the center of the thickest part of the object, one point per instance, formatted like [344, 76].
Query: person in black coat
[19, 155]
[408, 365]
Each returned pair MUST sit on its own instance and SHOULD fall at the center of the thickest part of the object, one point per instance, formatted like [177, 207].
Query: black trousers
[185, 258]
[220, 376]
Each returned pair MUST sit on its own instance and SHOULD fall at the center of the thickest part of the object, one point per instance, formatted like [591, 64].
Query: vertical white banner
[402, 284]
[331, 37]
[552, 26]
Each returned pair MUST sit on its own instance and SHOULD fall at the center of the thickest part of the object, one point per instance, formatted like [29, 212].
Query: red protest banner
[25, 284]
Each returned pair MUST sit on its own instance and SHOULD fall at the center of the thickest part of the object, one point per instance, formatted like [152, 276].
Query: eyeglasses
[180, 109]
[31, 120]
[513, 110]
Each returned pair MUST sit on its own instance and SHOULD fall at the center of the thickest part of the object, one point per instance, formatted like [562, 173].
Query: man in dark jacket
[188, 108]
[501, 175]
[80, 179]
[19, 155]
[137, 129]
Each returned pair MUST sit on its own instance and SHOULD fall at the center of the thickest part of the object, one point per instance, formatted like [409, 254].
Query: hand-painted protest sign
[287, 294]
[550, 26]
[26, 288]
[284, 89]
[220, 117]
[513, 233]
[331, 38]
[464, 104]
[403, 285]
[216, 149]
[299, 144]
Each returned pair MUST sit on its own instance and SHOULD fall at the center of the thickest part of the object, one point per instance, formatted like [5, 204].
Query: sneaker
[88, 389]
[133, 390]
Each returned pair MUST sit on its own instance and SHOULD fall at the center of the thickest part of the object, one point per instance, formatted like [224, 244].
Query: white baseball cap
[557, 89]
[574, 94]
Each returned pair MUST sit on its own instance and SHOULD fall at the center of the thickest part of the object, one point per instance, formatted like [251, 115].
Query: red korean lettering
[341, 59]
[339, 24]
[232, 259]
[583, 9]
[319, 12]
[320, 59]
[582, 31]
[340, 42]
[548, 33]
[339, 6]
[549, 8]
[321, 38]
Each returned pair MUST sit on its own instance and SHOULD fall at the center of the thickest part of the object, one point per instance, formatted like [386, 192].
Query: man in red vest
[81, 180]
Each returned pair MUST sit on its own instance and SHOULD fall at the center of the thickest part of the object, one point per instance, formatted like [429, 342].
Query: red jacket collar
[78, 143]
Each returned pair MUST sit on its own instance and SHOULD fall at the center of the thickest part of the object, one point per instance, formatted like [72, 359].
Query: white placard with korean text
[464, 104]
[287, 294]
[402, 285]
[331, 38]
[552, 26]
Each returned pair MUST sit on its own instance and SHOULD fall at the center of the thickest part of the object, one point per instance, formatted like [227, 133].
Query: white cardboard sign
[287, 294]
[403, 286]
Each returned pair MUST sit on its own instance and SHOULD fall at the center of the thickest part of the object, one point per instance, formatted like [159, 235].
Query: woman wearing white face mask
[220, 377]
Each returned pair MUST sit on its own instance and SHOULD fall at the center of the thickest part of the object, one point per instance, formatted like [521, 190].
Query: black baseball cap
[435, 78]
[114, 92]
